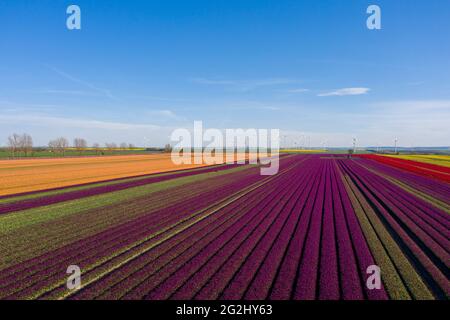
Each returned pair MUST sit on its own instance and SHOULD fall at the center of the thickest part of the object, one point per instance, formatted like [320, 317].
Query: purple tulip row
[159, 285]
[116, 238]
[270, 257]
[438, 189]
[248, 259]
[96, 190]
[352, 265]
[117, 280]
[295, 236]
[87, 251]
[426, 243]
[170, 261]
[141, 205]
[409, 216]
[94, 220]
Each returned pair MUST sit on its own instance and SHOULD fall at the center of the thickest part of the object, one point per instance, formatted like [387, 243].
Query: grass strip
[23, 218]
[84, 186]
[394, 265]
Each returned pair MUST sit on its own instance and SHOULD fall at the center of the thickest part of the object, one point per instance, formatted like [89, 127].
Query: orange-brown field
[17, 176]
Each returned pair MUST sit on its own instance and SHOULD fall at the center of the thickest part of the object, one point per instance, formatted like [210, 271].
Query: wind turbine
[147, 142]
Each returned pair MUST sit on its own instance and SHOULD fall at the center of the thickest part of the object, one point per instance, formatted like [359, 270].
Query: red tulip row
[425, 169]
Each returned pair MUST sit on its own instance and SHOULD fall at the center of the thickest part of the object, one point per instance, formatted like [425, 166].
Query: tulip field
[227, 232]
[27, 175]
[441, 160]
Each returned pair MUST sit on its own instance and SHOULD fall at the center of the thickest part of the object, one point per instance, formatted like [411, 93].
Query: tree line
[23, 144]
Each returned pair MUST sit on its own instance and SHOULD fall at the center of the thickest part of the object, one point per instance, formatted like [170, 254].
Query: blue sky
[138, 69]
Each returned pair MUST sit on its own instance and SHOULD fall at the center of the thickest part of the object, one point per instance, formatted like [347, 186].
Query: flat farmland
[441, 160]
[418, 165]
[225, 232]
[25, 175]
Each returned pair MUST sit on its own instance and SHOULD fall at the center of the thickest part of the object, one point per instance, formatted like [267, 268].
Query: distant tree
[131, 146]
[14, 142]
[111, 146]
[96, 148]
[62, 144]
[79, 144]
[168, 148]
[59, 145]
[53, 146]
[350, 153]
[20, 143]
[123, 145]
[27, 144]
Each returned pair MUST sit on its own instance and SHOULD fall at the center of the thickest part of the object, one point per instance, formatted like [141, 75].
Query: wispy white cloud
[164, 115]
[158, 98]
[68, 92]
[26, 107]
[363, 63]
[413, 122]
[299, 90]
[271, 108]
[345, 92]
[45, 127]
[104, 92]
[50, 122]
[413, 105]
[250, 104]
